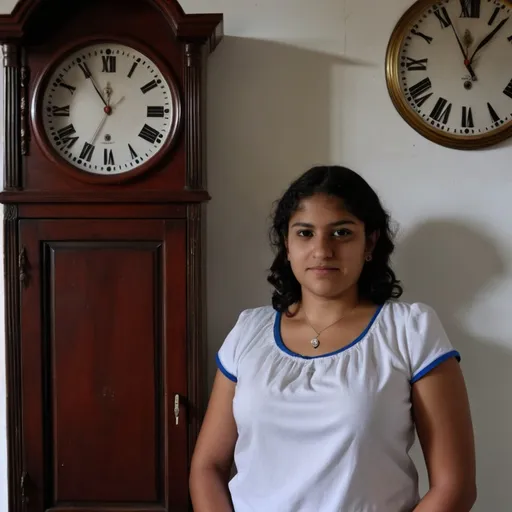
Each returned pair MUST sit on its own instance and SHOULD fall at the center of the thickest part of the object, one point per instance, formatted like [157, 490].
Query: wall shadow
[269, 118]
[448, 264]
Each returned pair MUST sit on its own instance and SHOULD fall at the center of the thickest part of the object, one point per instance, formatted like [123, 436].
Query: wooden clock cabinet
[104, 281]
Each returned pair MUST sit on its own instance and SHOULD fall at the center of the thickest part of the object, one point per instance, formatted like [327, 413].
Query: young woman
[317, 397]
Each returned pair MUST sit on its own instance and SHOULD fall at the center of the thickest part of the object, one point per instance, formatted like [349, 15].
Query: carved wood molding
[199, 28]
[15, 116]
[195, 321]
[194, 116]
[24, 111]
[13, 356]
[106, 197]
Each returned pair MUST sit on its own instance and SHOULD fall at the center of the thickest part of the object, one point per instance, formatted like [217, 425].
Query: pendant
[315, 343]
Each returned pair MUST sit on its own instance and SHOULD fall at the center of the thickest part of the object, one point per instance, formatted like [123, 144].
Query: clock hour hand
[117, 102]
[486, 39]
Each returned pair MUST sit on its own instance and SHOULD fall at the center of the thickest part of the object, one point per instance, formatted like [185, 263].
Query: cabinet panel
[103, 331]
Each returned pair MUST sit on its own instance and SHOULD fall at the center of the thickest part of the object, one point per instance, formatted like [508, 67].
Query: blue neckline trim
[279, 340]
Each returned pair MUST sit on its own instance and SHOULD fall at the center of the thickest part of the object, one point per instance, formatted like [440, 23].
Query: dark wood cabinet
[103, 344]
[104, 306]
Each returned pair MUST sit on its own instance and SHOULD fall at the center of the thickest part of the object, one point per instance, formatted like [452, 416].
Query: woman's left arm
[443, 421]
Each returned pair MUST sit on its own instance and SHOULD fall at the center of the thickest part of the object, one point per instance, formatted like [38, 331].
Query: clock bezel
[392, 75]
[36, 111]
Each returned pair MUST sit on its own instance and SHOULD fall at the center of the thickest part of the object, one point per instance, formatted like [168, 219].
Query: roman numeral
[65, 136]
[70, 88]
[416, 65]
[443, 16]
[132, 69]
[60, 111]
[150, 85]
[87, 152]
[67, 131]
[494, 15]
[85, 69]
[494, 116]
[421, 34]
[470, 8]
[509, 39]
[418, 89]
[155, 111]
[508, 89]
[109, 63]
[108, 157]
[149, 134]
[132, 152]
[441, 112]
[467, 118]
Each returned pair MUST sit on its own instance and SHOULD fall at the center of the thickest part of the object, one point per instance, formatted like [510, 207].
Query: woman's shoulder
[249, 326]
[419, 335]
[415, 320]
[255, 317]
[407, 311]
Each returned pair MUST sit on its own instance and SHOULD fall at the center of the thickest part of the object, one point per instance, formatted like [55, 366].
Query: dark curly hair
[377, 281]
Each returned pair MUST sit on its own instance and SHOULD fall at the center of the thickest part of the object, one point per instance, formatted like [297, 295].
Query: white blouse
[329, 433]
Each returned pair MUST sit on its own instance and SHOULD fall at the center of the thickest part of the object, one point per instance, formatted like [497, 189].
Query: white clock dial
[107, 109]
[452, 68]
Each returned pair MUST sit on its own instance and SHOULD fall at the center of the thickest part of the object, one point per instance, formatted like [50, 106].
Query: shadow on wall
[269, 118]
[447, 264]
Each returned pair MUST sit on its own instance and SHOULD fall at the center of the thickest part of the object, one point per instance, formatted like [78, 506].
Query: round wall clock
[448, 71]
[106, 109]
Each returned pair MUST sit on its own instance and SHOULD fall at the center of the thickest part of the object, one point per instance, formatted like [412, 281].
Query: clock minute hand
[95, 85]
[486, 39]
[467, 62]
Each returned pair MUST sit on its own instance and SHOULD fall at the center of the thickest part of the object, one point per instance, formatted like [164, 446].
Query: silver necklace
[315, 342]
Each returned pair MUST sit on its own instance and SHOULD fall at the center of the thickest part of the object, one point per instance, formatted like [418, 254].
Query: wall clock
[448, 72]
[107, 107]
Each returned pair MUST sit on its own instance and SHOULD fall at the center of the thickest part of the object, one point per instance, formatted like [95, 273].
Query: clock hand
[467, 63]
[486, 39]
[117, 102]
[108, 92]
[98, 90]
[108, 111]
[99, 128]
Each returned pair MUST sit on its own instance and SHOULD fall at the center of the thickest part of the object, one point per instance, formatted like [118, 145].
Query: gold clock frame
[392, 71]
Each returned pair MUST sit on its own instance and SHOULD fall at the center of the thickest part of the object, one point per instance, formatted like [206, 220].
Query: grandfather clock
[104, 193]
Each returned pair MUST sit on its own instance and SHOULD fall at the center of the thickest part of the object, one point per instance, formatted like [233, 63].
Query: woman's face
[326, 246]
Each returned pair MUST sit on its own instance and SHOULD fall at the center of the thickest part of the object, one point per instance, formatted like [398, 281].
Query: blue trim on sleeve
[433, 364]
[230, 376]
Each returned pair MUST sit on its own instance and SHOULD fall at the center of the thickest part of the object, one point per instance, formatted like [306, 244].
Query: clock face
[107, 109]
[448, 70]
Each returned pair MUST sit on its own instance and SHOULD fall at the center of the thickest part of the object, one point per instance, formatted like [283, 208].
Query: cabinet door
[103, 341]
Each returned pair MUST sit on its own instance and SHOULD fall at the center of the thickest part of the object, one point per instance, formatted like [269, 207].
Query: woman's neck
[321, 310]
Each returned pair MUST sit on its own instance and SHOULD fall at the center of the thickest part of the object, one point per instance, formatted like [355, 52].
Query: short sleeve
[428, 342]
[228, 354]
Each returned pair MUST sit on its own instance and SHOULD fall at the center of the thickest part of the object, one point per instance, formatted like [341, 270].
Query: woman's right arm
[213, 454]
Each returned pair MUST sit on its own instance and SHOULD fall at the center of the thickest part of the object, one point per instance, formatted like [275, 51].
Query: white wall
[300, 82]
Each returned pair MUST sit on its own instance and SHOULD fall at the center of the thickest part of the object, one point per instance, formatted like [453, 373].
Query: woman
[317, 397]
